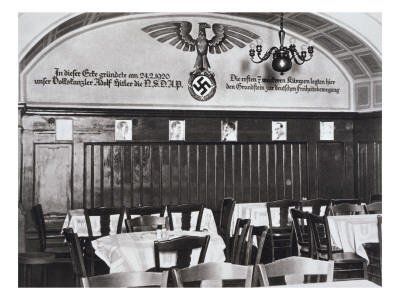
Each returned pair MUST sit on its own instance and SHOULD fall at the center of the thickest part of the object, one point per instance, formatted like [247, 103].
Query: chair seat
[57, 250]
[36, 258]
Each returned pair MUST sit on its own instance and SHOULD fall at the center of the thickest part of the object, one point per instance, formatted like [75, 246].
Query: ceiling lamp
[282, 56]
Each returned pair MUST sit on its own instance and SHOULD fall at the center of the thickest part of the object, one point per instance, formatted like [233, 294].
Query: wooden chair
[315, 206]
[294, 270]
[213, 274]
[253, 253]
[225, 220]
[375, 198]
[75, 250]
[374, 208]
[104, 213]
[239, 238]
[60, 251]
[303, 232]
[185, 210]
[146, 223]
[144, 211]
[375, 266]
[350, 201]
[280, 237]
[348, 265]
[344, 209]
[183, 246]
[127, 279]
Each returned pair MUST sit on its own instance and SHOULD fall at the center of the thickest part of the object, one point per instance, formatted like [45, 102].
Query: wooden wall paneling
[369, 169]
[108, 175]
[53, 182]
[97, 176]
[220, 172]
[331, 166]
[117, 176]
[126, 180]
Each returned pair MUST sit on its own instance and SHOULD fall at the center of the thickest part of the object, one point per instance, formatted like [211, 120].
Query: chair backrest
[284, 206]
[38, 217]
[259, 233]
[321, 235]
[237, 250]
[302, 230]
[104, 213]
[295, 270]
[349, 200]
[316, 205]
[127, 279]
[75, 250]
[185, 210]
[346, 209]
[212, 274]
[374, 208]
[375, 198]
[144, 211]
[183, 246]
[146, 223]
[380, 238]
[225, 219]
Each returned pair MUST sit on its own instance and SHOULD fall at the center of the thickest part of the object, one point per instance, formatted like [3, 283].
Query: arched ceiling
[352, 51]
[351, 41]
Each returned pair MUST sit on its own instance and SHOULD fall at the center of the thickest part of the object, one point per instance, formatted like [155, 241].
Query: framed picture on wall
[176, 130]
[229, 131]
[326, 131]
[63, 130]
[279, 130]
[123, 130]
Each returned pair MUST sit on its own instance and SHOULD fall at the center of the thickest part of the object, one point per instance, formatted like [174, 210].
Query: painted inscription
[289, 84]
[109, 79]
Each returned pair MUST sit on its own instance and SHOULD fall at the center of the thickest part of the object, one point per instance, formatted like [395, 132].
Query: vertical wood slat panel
[250, 177]
[215, 175]
[224, 160]
[291, 170]
[161, 172]
[241, 173]
[101, 175]
[233, 170]
[197, 170]
[92, 176]
[128, 159]
[179, 175]
[259, 172]
[188, 174]
[132, 177]
[206, 173]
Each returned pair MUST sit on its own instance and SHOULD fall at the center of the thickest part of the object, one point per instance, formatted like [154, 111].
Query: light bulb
[259, 41]
[304, 47]
[292, 41]
[311, 43]
[252, 46]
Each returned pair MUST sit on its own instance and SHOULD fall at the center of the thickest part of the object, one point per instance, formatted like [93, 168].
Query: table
[135, 251]
[351, 232]
[335, 284]
[76, 220]
[257, 213]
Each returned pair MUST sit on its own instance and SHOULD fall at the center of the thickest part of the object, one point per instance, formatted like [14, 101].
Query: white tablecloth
[76, 220]
[135, 251]
[257, 213]
[351, 232]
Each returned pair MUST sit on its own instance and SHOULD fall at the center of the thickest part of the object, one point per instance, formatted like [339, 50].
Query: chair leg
[44, 276]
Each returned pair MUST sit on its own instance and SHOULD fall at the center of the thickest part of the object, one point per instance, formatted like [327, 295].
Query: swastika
[202, 85]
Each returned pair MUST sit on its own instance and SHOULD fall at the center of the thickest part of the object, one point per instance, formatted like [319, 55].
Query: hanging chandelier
[282, 57]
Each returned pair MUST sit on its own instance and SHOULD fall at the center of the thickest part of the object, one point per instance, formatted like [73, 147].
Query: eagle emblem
[202, 84]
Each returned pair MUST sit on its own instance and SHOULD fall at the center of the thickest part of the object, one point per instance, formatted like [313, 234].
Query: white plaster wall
[121, 46]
